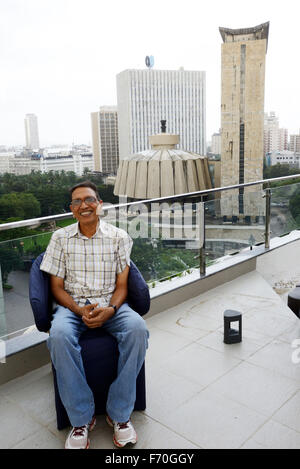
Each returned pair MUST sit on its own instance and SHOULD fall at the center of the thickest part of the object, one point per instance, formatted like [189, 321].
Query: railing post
[268, 218]
[201, 232]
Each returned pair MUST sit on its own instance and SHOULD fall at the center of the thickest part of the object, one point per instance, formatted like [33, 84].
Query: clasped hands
[94, 316]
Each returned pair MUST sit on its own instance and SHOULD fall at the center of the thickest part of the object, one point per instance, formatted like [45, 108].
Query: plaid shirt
[88, 265]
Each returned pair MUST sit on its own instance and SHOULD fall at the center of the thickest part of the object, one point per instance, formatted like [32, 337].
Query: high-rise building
[275, 138]
[145, 97]
[31, 132]
[105, 139]
[216, 144]
[242, 107]
[283, 139]
[295, 143]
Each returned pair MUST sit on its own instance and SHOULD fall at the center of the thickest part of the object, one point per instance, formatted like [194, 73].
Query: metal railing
[199, 195]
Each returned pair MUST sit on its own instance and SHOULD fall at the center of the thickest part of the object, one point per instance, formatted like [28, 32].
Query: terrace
[201, 393]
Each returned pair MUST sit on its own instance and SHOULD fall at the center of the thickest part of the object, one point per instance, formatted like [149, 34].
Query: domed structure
[162, 171]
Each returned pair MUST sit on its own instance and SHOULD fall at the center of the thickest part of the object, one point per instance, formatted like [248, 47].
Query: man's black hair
[89, 184]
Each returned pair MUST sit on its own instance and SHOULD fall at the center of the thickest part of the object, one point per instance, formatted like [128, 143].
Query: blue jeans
[131, 333]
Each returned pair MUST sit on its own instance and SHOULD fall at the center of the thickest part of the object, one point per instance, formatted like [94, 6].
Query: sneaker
[78, 436]
[124, 433]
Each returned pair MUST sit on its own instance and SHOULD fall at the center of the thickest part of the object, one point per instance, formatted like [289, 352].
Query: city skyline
[59, 59]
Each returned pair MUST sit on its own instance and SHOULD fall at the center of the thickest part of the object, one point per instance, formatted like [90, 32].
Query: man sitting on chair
[88, 263]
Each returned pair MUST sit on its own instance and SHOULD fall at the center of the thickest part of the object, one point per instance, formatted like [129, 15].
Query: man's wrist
[78, 310]
[113, 306]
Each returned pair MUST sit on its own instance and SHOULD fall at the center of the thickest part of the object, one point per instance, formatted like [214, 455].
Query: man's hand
[88, 310]
[96, 317]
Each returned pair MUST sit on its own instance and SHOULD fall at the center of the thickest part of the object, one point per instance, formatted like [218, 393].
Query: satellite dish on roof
[149, 61]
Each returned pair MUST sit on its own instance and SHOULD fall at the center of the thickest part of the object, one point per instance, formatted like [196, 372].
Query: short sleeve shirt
[88, 265]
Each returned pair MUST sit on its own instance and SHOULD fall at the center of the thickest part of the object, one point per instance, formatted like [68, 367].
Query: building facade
[275, 138]
[283, 157]
[242, 110]
[31, 132]
[24, 163]
[105, 139]
[294, 143]
[216, 144]
[145, 97]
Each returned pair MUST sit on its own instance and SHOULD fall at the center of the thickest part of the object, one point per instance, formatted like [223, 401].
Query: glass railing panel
[234, 222]
[165, 243]
[16, 257]
[285, 209]
[3, 330]
[167, 240]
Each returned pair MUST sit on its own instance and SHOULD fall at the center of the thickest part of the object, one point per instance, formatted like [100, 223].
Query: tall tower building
[242, 107]
[31, 132]
[105, 139]
[145, 97]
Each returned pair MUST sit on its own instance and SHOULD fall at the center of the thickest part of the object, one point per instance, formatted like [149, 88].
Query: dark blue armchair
[98, 348]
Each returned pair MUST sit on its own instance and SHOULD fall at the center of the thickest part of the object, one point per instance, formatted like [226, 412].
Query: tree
[10, 260]
[294, 205]
[19, 205]
[30, 205]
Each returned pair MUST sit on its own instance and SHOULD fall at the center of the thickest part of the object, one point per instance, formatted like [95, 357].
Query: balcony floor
[201, 393]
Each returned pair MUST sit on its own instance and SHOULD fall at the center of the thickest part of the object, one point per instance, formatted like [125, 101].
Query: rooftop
[255, 33]
[201, 393]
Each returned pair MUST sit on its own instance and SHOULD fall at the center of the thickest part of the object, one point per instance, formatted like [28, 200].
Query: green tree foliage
[21, 205]
[10, 260]
[279, 170]
[294, 205]
[43, 194]
[156, 261]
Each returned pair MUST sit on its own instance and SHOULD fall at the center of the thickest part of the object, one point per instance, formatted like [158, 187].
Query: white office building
[5, 158]
[283, 157]
[145, 97]
[24, 163]
[31, 132]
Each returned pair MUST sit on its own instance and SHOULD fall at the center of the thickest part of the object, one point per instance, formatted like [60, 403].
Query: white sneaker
[124, 433]
[78, 436]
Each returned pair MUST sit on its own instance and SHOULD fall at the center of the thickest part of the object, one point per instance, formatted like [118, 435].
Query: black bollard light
[232, 335]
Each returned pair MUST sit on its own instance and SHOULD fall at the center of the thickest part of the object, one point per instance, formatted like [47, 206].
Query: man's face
[85, 205]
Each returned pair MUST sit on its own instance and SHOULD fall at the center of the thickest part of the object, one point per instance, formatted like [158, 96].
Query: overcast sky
[59, 58]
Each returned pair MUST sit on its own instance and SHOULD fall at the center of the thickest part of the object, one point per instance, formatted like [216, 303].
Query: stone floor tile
[42, 439]
[180, 323]
[277, 356]
[258, 388]
[154, 435]
[289, 413]
[25, 380]
[151, 435]
[15, 425]
[163, 344]
[267, 321]
[241, 351]
[213, 421]
[36, 399]
[199, 364]
[292, 333]
[274, 435]
[166, 391]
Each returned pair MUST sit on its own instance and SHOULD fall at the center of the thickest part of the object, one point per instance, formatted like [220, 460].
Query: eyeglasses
[87, 201]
